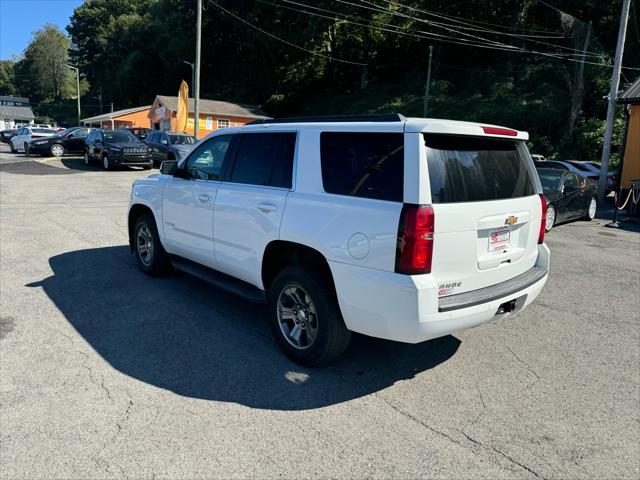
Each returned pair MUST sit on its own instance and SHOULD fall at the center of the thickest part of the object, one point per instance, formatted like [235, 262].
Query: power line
[275, 37]
[454, 28]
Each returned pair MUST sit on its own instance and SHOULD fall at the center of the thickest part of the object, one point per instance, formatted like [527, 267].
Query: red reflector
[500, 131]
[543, 218]
[414, 250]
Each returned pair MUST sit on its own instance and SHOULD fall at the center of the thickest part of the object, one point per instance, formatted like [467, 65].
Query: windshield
[120, 137]
[181, 140]
[472, 169]
[550, 180]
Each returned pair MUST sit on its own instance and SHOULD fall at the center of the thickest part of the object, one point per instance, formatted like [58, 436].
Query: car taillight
[415, 240]
[543, 218]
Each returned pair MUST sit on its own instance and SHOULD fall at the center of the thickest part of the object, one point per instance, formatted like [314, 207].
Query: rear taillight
[415, 240]
[500, 131]
[543, 218]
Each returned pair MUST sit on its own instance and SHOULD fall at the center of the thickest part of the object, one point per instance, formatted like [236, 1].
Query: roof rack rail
[381, 117]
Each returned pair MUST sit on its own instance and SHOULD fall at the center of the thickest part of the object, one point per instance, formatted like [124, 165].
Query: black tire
[26, 149]
[555, 218]
[158, 263]
[57, 150]
[106, 163]
[13, 150]
[147, 167]
[587, 216]
[332, 337]
[87, 159]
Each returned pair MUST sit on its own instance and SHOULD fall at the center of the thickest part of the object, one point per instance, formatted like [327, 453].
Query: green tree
[7, 78]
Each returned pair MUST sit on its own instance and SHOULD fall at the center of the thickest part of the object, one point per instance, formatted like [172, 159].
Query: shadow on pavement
[182, 335]
[25, 167]
[78, 164]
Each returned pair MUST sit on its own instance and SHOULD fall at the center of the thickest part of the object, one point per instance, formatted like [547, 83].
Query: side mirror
[169, 167]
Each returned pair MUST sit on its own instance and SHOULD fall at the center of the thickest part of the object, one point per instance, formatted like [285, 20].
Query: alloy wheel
[593, 206]
[297, 317]
[144, 242]
[550, 218]
[57, 150]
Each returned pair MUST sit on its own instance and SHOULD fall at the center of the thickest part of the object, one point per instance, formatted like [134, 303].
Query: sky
[20, 18]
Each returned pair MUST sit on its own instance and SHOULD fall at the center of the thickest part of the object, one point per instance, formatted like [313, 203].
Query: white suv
[404, 229]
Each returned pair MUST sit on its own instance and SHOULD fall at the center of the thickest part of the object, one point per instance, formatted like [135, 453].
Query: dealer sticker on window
[499, 239]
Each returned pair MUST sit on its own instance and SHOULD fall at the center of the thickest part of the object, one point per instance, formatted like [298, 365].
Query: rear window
[474, 169]
[367, 165]
[580, 166]
[550, 180]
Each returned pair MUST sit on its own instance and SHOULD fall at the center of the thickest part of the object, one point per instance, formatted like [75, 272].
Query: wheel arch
[135, 212]
[279, 254]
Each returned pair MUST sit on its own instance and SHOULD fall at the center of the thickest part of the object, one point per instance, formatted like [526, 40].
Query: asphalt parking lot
[106, 373]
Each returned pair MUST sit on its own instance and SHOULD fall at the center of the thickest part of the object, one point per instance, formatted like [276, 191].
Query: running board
[220, 280]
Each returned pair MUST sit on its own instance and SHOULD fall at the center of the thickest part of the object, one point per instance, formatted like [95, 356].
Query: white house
[14, 111]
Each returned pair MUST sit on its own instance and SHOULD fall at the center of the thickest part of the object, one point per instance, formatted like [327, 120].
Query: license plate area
[499, 239]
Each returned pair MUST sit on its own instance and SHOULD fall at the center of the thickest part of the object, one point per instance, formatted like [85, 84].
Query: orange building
[214, 115]
[130, 117]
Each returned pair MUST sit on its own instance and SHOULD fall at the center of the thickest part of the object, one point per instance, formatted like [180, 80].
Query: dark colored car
[5, 135]
[139, 132]
[114, 148]
[70, 140]
[569, 196]
[169, 145]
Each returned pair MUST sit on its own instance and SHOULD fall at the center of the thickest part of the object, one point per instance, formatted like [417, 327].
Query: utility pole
[613, 94]
[426, 87]
[196, 93]
[78, 88]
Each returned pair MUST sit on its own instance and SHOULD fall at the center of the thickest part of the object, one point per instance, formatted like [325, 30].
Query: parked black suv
[169, 145]
[70, 140]
[116, 148]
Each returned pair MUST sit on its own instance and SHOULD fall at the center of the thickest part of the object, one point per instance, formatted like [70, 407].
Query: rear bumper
[407, 309]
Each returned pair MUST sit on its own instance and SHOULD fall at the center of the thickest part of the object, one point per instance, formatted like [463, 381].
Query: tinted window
[81, 132]
[153, 137]
[91, 136]
[119, 137]
[571, 181]
[46, 131]
[182, 140]
[367, 165]
[206, 162]
[549, 180]
[472, 169]
[265, 159]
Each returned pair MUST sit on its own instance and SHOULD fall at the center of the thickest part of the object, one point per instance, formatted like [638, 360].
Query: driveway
[107, 373]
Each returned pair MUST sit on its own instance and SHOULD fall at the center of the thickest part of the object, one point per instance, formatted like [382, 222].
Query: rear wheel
[106, 163]
[150, 254]
[591, 209]
[550, 219]
[305, 317]
[26, 148]
[56, 150]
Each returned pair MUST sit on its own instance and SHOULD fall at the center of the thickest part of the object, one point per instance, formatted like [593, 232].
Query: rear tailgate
[484, 193]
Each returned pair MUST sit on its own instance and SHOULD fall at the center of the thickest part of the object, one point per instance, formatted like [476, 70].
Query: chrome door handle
[204, 198]
[267, 207]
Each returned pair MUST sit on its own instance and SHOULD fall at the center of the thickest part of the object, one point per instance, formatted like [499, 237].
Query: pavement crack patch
[504, 455]
[484, 406]
[525, 365]
[100, 384]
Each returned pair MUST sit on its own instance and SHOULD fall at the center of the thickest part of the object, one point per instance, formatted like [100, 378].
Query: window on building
[367, 165]
[223, 123]
[265, 159]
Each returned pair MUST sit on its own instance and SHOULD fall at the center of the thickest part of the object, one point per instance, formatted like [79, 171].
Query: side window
[151, 137]
[80, 133]
[367, 165]
[91, 136]
[265, 159]
[571, 181]
[206, 162]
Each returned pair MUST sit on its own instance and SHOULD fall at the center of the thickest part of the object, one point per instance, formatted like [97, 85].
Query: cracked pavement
[106, 373]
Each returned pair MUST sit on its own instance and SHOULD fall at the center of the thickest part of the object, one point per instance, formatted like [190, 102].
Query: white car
[20, 141]
[403, 229]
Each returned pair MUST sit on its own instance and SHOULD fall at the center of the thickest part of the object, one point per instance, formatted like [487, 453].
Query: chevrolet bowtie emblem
[511, 220]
